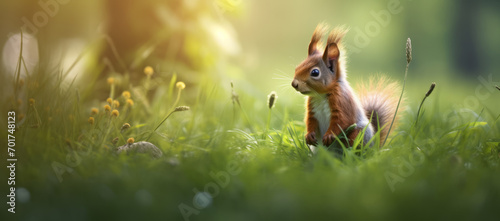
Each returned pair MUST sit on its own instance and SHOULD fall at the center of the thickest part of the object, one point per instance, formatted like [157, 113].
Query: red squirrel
[332, 105]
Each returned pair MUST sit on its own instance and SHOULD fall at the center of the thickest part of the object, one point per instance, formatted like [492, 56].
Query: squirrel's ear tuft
[332, 50]
[337, 34]
[316, 38]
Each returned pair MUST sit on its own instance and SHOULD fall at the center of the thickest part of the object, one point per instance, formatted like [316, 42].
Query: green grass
[445, 167]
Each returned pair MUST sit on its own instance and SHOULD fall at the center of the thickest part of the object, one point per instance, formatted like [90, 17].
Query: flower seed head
[181, 108]
[271, 99]
[429, 92]
[408, 50]
[125, 127]
[109, 100]
[32, 101]
[115, 140]
[94, 111]
[180, 85]
[107, 108]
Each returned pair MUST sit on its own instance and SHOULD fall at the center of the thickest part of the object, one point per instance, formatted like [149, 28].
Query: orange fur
[380, 98]
[335, 37]
[342, 113]
[343, 107]
[311, 123]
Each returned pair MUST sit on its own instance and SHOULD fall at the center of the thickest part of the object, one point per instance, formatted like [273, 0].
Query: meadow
[229, 155]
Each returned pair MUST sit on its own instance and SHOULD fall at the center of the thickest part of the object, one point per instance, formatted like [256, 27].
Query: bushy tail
[379, 99]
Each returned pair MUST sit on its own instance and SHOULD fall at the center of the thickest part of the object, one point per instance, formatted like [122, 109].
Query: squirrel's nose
[295, 84]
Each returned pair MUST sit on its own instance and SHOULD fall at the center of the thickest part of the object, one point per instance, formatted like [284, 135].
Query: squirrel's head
[322, 68]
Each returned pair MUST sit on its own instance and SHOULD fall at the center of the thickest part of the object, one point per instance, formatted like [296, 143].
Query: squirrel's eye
[314, 72]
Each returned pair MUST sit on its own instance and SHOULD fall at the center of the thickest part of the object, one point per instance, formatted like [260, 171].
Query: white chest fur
[322, 112]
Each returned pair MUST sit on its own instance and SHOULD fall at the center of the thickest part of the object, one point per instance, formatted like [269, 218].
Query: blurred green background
[454, 42]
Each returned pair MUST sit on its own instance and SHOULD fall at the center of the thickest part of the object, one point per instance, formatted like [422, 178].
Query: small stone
[140, 147]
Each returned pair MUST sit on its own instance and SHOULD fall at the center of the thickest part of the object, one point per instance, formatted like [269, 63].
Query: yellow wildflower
[111, 80]
[130, 102]
[126, 94]
[116, 104]
[94, 111]
[130, 140]
[148, 70]
[180, 85]
[115, 113]
[91, 120]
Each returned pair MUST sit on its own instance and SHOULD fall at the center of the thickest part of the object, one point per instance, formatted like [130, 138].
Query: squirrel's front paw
[328, 138]
[311, 138]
